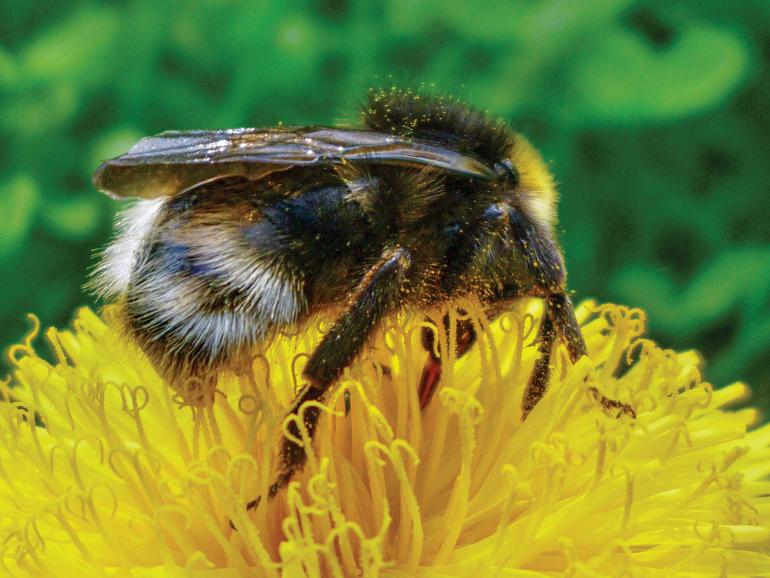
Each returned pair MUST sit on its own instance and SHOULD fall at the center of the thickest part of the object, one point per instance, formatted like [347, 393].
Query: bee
[239, 233]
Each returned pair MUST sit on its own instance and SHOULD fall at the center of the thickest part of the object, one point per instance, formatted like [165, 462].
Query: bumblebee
[239, 233]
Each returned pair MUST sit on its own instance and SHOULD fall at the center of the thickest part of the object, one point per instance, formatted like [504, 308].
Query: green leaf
[42, 109]
[77, 49]
[9, 69]
[550, 24]
[18, 201]
[737, 276]
[622, 80]
[75, 218]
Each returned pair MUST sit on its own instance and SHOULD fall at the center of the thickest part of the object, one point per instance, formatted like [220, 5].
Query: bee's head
[528, 184]
[519, 251]
[507, 174]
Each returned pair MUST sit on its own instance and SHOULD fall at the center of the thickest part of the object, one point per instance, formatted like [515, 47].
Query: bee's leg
[559, 317]
[431, 372]
[562, 313]
[378, 294]
[538, 380]
[613, 405]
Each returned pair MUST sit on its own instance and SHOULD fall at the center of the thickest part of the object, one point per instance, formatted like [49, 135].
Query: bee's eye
[507, 171]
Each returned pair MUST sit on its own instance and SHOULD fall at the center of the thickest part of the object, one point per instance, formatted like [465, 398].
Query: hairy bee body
[215, 272]
[240, 235]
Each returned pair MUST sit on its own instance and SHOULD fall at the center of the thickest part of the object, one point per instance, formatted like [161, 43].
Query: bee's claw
[253, 504]
[609, 404]
[429, 380]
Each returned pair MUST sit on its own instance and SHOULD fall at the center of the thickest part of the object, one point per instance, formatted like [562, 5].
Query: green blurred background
[656, 119]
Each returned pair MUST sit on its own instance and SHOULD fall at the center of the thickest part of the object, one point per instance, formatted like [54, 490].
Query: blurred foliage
[655, 115]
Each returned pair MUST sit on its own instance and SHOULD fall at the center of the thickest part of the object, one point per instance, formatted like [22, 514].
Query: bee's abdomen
[208, 290]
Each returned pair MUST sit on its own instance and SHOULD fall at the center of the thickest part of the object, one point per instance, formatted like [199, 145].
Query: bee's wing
[174, 161]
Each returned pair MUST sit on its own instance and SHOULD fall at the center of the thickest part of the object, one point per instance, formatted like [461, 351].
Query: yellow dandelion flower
[104, 473]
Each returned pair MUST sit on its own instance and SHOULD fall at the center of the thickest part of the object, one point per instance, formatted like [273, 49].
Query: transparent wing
[171, 162]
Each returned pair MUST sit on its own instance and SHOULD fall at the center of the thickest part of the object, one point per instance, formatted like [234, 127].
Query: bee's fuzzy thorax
[438, 119]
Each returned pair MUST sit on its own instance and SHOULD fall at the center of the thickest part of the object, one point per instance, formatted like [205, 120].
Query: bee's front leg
[465, 337]
[379, 293]
[559, 317]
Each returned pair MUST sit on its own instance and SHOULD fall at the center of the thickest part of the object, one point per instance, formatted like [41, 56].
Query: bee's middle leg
[431, 372]
[538, 379]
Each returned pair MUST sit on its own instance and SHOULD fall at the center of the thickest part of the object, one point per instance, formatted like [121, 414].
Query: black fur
[439, 120]
[541, 253]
